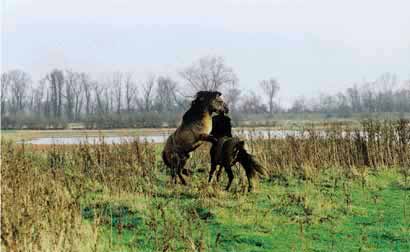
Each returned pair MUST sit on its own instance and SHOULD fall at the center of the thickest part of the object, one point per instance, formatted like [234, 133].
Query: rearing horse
[195, 128]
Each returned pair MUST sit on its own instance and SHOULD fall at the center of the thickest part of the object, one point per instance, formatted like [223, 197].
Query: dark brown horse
[228, 151]
[195, 128]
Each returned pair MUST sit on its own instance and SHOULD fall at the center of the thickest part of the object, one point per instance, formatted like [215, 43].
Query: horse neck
[196, 113]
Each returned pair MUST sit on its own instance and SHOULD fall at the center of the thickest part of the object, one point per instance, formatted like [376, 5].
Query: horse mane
[198, 105]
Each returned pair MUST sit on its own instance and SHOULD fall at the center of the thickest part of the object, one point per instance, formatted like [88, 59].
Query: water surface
[154, 138]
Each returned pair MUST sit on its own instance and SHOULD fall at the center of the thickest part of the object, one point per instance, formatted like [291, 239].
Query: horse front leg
[250, 183]
[208, 138]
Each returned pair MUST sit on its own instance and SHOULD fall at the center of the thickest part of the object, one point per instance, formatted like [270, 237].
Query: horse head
[212, 100]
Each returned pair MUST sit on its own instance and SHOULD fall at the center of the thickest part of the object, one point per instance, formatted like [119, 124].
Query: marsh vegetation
[346, 191]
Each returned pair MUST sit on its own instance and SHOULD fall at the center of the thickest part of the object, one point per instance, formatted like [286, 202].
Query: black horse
[228, 150]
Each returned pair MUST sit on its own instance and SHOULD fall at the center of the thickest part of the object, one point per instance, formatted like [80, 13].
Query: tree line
[383, 95]
[122, 100]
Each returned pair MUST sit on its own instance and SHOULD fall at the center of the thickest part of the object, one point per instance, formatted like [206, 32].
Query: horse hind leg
[218, 174]
[180, 168]
[173, 175]
[181, 177]
[230, 177]
[172, 164]
[211, 173]
[214, 164]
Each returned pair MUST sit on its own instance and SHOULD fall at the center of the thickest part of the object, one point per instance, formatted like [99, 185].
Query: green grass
[294, 215]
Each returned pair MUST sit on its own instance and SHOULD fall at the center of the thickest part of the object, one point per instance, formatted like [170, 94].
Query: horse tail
[249, 162]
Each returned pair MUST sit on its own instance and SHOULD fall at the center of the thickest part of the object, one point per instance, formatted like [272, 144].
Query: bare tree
[130, 92]
[108, 99]
[386, 84]
[327, 103]
[146, 102]
[117, 84]
[209, 73]
[251, 103]
[403, 98]
[368, 97]
[38, 96]
[56, 81]
[232, 95]
[18, 82]
[354, 100]
[47, 103]
[5, 85]
[71, 81]
[342, 105]
[299, 105]
[74, 83]
[165, 94]
[99, 91]
[270, 88]
[77, 90]
[87, 86]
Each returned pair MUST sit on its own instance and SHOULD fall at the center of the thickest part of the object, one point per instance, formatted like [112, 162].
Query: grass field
[297, 216]
[333, 193]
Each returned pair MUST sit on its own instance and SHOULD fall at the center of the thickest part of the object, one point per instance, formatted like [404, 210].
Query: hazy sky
[310, 46]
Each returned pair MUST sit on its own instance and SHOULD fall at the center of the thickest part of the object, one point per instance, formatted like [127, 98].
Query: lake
[154, 138]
